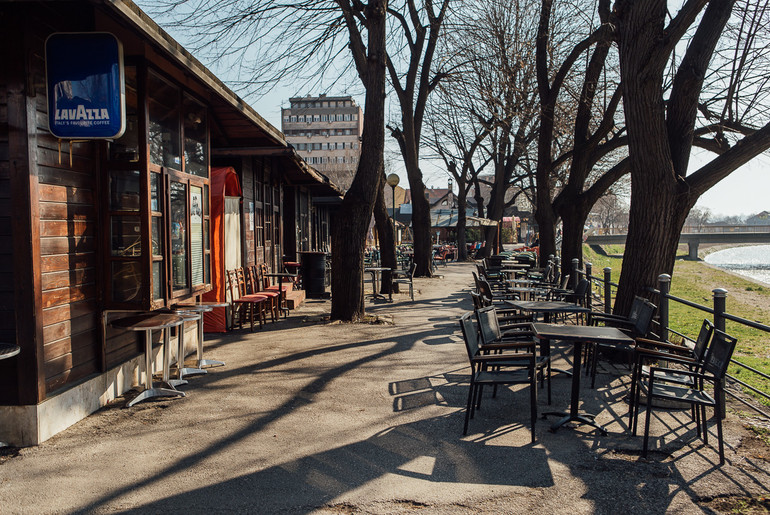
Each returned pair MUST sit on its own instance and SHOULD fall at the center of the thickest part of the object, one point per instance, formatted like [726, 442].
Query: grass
[695, 282]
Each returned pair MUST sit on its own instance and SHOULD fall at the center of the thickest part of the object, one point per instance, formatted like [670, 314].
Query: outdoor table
[281, 294]
[148, 323]
[203, 307]
[375, 271]
[187, 315]
[547, 307]
[531, 292]
[578, 334]
[8, 350]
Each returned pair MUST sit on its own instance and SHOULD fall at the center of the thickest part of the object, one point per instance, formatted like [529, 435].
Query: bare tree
[596, 133]
[410, 66]
[275, 41]
[726, 49]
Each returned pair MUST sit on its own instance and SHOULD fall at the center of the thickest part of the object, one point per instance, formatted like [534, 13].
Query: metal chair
[652, 351]
[712, 372]
[406, 278]
[497, 369]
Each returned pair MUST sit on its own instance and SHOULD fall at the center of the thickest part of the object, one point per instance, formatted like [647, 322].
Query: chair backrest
[644, 318]
[485, 289]
[702, 341]
[636, 308]
[489, 327]
[719, 353]
[412, 268]
[477, 302]
[232, 284]
[470, 334]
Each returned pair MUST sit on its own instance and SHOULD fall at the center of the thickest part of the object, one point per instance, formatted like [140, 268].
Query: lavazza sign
[86, 85]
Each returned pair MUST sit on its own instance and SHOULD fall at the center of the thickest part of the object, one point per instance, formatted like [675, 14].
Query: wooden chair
[243, 303]
[282, 288]
[255, 285]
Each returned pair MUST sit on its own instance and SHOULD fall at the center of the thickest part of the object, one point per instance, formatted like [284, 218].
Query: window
[324, 117]
[195, 138]
[157, 220]
[293, 118]
[355, 116]
[316, 117]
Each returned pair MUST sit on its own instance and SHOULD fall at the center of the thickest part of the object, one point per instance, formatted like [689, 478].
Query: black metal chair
[637, 325]
[652, 351]
[503, 368]
[494, 337]
[712, 372]
[406, 278]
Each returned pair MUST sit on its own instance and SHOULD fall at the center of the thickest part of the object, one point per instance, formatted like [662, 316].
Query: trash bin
[313, 268]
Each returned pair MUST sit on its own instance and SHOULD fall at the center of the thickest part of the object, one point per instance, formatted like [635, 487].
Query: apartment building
[326, 132]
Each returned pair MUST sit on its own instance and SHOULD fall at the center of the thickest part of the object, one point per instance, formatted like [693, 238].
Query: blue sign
[86, 85]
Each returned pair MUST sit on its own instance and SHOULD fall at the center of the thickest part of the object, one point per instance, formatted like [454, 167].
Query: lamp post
[393, 180]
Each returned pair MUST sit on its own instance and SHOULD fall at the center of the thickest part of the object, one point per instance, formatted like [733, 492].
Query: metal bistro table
[547, 307]
[148, 323]
[376, 275]
[8, 350]
[578, 334]
[202, 307]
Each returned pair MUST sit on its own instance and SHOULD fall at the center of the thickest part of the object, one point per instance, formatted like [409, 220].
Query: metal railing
[602, 288]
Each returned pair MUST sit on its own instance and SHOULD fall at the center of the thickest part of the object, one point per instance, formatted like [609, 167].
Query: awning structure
[449, 220]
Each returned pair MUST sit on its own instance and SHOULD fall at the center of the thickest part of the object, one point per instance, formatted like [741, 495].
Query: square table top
[585, 333]
[546, 306]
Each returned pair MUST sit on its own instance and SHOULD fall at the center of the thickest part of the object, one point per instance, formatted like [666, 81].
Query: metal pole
[575, 272]
[607, 290]
[720, 308]
[590, 290]
[664, 286]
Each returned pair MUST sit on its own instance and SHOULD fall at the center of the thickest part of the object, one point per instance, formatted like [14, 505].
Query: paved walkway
[313, 417]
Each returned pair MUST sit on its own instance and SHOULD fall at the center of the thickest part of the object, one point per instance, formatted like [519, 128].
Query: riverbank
[695, 281]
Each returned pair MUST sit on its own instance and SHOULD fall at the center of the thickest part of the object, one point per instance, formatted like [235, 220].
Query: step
[294, 298]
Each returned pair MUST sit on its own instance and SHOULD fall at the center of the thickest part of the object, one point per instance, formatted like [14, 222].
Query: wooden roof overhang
[232, 121]
[236, 128]
[296, 171]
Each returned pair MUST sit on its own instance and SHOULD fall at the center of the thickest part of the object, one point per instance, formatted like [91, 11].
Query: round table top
[148, 321]
[8, 350]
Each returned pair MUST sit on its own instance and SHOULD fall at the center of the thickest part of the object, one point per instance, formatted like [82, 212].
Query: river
[752, 262]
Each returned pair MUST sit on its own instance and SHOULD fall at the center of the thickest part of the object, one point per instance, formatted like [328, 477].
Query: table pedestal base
[209, 363]
[155, 392]
[580, 418]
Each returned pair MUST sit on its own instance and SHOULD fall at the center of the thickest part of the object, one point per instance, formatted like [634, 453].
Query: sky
[743, 193]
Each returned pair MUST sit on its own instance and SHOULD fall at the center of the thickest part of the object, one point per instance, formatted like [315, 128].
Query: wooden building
[93, 227]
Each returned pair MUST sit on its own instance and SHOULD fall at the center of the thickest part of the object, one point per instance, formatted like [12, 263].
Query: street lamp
[393, 180]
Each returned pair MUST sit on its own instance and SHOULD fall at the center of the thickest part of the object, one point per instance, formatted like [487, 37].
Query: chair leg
[704, 424]
[721, 443]
[468, 407]
[533, 404]
[647, 427]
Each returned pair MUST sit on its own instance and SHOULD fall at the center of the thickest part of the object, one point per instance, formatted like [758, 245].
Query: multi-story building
[326, 132]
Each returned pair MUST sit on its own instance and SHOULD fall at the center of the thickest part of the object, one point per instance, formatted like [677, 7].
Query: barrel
[313, 267]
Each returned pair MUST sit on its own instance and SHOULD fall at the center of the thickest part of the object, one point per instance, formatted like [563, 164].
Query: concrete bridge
[729, 234]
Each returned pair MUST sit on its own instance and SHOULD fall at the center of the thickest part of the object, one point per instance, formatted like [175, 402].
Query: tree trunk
[462, 222]
[657, 202]
[387, 240]
[573, 219]
[352, 220]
